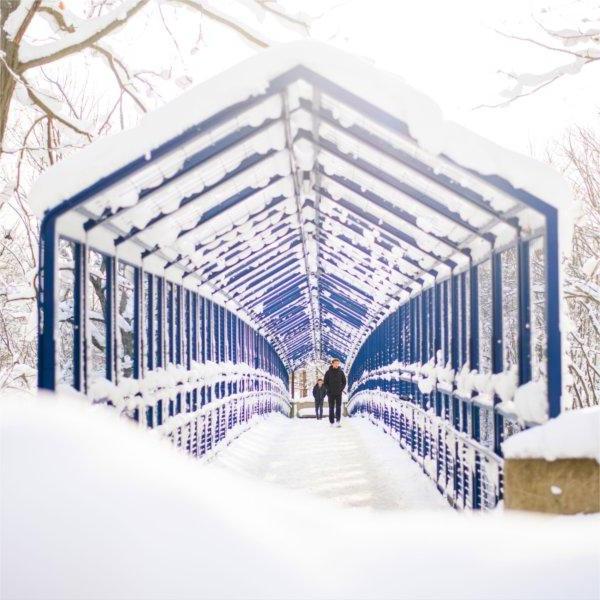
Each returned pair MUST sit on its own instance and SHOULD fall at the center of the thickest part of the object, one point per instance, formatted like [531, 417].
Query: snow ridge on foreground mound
[573, 434]
[94, 508]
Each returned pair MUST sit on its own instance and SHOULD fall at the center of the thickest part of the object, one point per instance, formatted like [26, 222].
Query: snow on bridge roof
[303, 188]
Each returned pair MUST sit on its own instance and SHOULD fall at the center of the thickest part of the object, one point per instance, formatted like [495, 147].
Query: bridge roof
[304, 189]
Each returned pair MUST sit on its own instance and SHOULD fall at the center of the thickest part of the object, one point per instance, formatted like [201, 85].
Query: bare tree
[578, 43]
[582, 287]
[74, 35]
[51, 104]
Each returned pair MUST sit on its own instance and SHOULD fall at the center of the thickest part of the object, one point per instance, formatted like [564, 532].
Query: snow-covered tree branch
[575, 48]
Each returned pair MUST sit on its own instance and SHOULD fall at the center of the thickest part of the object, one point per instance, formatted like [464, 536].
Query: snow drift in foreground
[94, 508]
[574, 434]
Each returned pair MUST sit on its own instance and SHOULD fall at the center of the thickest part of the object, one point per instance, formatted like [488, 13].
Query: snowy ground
[95, 508]
[356, 465]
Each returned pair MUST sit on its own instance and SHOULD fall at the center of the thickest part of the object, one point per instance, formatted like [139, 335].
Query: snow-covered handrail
[198, 427]
[467, 473]
[166, 384]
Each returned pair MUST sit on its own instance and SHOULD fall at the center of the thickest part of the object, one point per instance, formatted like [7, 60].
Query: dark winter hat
[335, 360]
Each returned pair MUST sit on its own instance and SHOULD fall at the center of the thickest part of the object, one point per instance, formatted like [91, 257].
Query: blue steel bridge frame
[442, 317]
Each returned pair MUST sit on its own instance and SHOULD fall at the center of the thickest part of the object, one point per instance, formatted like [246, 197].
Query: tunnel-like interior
[300, 206]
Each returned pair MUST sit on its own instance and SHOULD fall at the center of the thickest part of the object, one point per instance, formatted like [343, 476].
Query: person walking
[319, 392]
[335, 382]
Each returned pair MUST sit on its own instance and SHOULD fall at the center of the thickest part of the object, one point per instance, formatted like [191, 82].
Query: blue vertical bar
[497, 341]
[437, 338]
[474, 342]
[474, 365]
[46, 306]
[524, 314]
[160, 321]
[464, 355]
[454, 345]
[78, 303]
[178, 324]
[169, 323]
[138, 276]
[553, 313]
[149, 310]
[208, 322]
[454, 353]
[109, 320]
[188, 328]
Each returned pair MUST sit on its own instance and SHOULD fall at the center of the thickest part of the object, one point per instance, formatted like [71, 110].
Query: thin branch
[118, 20]
[538, 43]
[112, 61]
[269, 6]
[522, 95]
[53, 115]
[224, 21]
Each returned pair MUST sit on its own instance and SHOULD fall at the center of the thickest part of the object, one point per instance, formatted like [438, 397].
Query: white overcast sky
[450, 51]
[447, 49]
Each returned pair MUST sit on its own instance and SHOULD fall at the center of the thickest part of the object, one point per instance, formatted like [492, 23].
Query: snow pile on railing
[204, 420]
[167, 383]
[573, 434]
[526, 404]
[466, 472]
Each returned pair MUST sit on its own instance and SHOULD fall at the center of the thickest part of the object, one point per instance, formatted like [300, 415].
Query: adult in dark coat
[319, 393]
[335, 382]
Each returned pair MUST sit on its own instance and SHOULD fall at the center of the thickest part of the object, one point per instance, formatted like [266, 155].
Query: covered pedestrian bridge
[304, 205]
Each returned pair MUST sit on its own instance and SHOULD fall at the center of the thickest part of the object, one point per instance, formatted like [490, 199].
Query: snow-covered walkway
[356, 465]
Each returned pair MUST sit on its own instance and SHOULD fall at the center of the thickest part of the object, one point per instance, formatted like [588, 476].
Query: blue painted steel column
[454, 345]
[137, 321]
[497, 342]
[159, 355]
[169, 324]
[474, 343]
[110, 317]
[553, 332]
[464, 355]
[46, 305]
[149, 312]
[524, 314]
[474, 365]
[79, 359]
[178, 323]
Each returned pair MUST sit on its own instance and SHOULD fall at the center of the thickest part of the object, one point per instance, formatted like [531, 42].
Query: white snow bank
[251, 77]
[573, 434]
[94, 508]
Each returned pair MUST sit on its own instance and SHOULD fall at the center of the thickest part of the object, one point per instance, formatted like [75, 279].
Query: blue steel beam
[245, 165]
[392, 181]
[392, 209]
[227, 256]
[218, 148]
[350, 264]
[268, 285]
[369, 139]
[284, 285]
[396, 233]
[210, 215]
[237, 248]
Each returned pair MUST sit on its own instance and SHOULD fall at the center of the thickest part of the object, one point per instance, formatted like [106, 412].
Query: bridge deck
[356, 466]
